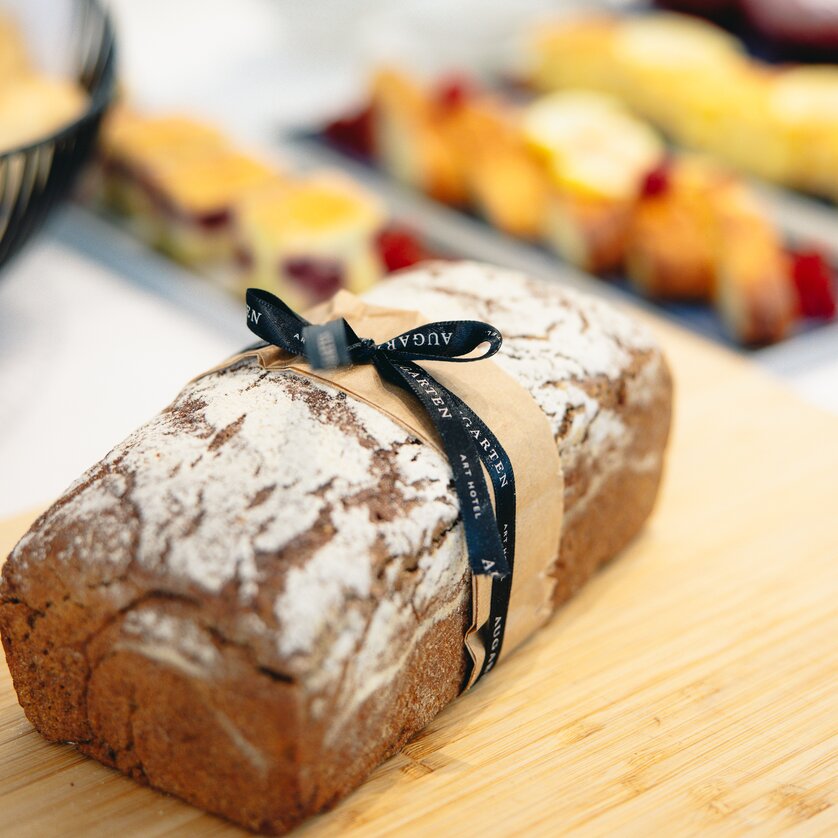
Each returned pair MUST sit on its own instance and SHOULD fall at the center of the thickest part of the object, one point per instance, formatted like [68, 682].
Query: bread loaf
[262, 593]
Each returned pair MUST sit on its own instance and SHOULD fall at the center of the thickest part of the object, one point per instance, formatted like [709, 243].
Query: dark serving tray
[802, 220]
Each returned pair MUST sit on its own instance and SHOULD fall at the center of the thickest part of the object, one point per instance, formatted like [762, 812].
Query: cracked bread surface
[263, 592]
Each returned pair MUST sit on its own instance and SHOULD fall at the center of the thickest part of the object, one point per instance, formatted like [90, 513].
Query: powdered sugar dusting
[174, 641]
[318, 589]
[398, 623]
[553, 337]
[196, 502]
[168, 629]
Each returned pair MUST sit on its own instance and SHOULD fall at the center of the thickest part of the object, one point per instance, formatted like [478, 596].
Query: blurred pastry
[305, 239]
[410, 141]
[503, 178]
[196, 200]
[132, 146]
[597, 155]
[669, 64]
[753, 292]
[574, 52]
[591, 144]
[665, 66]
[587, 232]
[671, 245]
[34, 106]
[804, 104]
[192, 194]
[697, 83]
[743, 128]
[698, 233]
[178, 180]
[458, 146]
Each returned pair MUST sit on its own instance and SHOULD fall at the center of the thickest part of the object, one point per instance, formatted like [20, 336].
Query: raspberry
[320, 277]
[353, 132]
[657, 181]
[815, 284]
[454, 91]
[399, 248]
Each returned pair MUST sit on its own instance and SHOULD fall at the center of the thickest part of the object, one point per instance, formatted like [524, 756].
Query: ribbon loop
[466, 441]
[444, 341]
[273, 321]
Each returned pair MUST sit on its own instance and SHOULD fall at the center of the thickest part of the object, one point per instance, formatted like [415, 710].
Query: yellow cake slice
[505, 180]
[133, 146]
[197, 198]
[177, 179]
[305, 239]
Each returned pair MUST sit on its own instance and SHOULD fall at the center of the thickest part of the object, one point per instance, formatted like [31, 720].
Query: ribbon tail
[499, 468]
[462, 430]
[485, 550]
[489, 624]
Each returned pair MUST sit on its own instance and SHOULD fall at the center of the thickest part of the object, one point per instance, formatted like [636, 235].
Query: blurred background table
[96, 332]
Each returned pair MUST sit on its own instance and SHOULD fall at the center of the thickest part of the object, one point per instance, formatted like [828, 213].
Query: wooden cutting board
[691, 688]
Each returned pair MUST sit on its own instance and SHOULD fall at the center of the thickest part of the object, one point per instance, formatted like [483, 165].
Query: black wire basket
[35, 176]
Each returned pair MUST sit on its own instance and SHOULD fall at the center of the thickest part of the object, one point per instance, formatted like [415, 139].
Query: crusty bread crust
[191, 678]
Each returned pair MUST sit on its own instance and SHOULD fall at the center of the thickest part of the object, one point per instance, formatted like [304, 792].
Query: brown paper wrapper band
[519, 426]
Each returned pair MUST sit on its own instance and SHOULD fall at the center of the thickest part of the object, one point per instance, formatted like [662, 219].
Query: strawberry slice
[815, 284]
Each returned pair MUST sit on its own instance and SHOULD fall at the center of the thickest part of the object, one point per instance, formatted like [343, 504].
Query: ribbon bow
[466, 440]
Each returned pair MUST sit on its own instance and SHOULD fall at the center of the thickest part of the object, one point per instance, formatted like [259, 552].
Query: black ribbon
[466, 440]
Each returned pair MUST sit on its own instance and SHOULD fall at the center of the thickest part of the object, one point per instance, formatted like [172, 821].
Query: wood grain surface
[691, 688]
